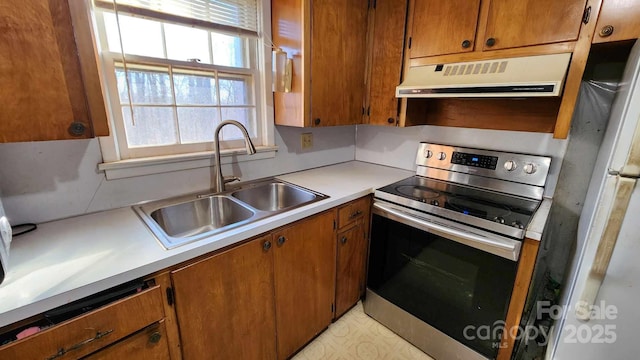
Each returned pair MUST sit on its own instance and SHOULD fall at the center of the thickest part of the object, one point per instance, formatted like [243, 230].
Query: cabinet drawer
[89, 332]
[149, 344]
[353, 211]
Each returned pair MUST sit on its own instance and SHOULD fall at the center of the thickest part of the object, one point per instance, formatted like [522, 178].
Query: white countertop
[537, 224]
[66, 260]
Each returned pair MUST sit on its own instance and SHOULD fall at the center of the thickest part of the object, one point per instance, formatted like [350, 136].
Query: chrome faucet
[220, 180]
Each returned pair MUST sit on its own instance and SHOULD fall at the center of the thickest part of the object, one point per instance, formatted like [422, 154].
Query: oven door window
[453, 287]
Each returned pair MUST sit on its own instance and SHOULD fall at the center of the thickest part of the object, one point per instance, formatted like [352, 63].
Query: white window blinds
[235, 16]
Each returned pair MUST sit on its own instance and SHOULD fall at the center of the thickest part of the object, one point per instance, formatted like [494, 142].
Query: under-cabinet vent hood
[541, 75]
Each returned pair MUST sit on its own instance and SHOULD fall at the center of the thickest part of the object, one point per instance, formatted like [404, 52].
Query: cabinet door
[386, 60]
[225, 304]
[618, 20]
[91, 331]
[42, 90]
[443, 27]
[351, 267]
[338, 52]
[518, 23]
[149, 344]
[304, 280]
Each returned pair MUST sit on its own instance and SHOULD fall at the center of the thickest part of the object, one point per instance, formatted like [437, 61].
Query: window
[174, 69]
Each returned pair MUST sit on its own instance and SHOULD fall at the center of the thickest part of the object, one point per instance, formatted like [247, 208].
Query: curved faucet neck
[220, 184]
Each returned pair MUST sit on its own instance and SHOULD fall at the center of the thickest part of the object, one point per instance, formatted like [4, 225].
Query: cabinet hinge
[170, 296]
[586, 15]
[334, 224]
[374, 3]
[409, 42]
[333, 308]
[368, 110]
[363, 110]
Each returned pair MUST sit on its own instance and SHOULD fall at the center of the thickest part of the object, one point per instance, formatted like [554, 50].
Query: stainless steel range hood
[541, 75]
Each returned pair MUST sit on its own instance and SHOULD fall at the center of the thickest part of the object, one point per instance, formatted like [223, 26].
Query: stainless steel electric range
[445, 245]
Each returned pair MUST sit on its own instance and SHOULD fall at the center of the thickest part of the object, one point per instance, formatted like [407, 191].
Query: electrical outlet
[306, 140]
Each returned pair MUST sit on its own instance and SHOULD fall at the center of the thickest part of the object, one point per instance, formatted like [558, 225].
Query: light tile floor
[356, 336]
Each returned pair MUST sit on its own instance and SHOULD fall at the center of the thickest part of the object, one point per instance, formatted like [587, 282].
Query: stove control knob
[530, 168]
[435, 202]
[428, 153]
[499, 219]
[517, 224]
[442, 156]
[510, 165]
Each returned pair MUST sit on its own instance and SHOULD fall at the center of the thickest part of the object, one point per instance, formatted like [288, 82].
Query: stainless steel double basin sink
[181, 220]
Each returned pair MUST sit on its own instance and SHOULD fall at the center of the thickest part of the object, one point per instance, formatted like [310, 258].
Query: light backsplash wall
[397, 147]
[43, 181]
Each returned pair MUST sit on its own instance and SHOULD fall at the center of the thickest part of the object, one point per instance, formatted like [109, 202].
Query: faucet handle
[228, 179]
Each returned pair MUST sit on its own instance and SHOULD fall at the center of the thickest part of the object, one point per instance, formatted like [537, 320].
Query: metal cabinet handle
[155, 337]
[343, 240]
[355, 214]
[281, 240]
[391, 120]
[267, 245]
[62, 351]
[77, 128]
[606, 30]
[466, 44]
[491, 41]
[316, 121]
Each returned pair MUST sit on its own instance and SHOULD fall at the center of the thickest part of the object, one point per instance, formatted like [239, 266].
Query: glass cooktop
[477, 207]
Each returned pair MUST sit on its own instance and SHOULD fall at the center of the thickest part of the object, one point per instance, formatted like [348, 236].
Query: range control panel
[516, 167]
[482, 161]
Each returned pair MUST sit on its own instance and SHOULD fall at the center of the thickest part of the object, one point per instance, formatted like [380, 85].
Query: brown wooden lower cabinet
[149, 344]
[225, 304]
[304, 280]
[93, 331]
[351, 266]
[264, 299]
[352, 249]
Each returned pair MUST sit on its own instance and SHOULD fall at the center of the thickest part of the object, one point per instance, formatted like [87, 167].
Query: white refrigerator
[601, 314]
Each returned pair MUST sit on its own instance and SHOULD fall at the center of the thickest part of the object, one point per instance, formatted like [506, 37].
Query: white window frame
[119, 161]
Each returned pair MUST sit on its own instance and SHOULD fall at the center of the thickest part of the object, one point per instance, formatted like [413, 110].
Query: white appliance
[5, 241]
[601, 312]
[540, 75]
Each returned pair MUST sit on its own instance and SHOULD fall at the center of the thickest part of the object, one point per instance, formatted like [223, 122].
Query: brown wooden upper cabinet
[444, 27]
[385, 54]
[517, 23]
[48, 71]
[327, 42]
[463, 26]
[618, 20]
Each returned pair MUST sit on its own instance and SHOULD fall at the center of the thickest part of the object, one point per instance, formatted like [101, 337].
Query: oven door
[456, 280]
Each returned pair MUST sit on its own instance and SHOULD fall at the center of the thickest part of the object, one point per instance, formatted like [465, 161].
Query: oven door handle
[506, 248]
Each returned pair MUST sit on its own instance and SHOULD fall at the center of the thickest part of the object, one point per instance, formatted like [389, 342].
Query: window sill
[162, 164]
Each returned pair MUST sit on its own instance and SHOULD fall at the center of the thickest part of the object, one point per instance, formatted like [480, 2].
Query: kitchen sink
[200, 216]
[181, 220]
[274, 196]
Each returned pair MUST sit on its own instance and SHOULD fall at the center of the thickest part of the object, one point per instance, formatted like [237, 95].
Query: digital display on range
[481, 161]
